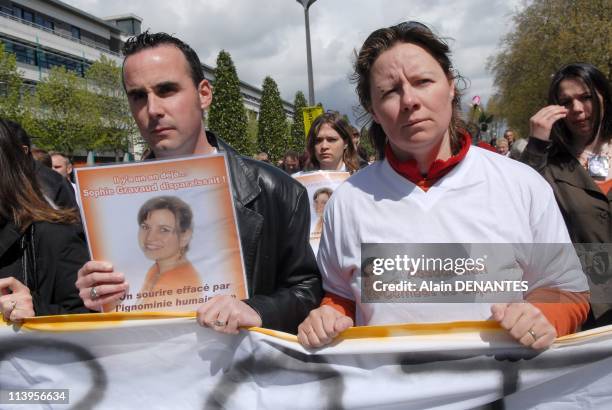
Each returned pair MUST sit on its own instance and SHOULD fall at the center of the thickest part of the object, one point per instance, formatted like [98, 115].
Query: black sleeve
[65, 197]
[536, 153]
[299, 288]
[60, 254]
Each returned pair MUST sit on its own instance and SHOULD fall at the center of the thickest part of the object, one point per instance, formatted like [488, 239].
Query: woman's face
[320, 202]
[576, 97]
[329, 148]
[411, 99]
[159, 236]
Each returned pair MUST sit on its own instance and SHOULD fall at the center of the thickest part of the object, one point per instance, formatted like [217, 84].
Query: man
[362, 154]
[62, 165]
[263, 157]
[167, 95]
[291, 162]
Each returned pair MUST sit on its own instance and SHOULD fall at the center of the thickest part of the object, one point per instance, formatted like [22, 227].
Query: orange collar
[437, 169]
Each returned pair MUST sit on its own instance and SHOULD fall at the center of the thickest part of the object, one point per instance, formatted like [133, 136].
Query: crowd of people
[424, 187]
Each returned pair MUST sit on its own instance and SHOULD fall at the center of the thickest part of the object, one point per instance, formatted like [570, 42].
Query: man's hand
[100, 286]
[16, 300]
[321, 326]
[542, 122]
[525, 323]
[226, 314]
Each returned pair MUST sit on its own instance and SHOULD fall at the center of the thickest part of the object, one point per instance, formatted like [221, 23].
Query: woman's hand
[542, 122]
[321, 326]
[16, 300]
[525, 323]
[100, 286]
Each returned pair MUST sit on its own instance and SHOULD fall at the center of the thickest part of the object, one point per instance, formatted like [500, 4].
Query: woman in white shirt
[432, 186]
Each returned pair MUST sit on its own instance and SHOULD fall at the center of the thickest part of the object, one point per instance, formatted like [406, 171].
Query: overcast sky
[267, 37]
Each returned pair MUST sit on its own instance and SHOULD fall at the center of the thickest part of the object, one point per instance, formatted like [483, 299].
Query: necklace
[597, 163]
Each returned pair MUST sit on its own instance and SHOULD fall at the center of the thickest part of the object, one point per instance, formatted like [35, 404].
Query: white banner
[161, 361]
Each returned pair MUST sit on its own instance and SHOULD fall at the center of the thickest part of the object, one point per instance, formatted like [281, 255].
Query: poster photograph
[320, 186]
[169, 227]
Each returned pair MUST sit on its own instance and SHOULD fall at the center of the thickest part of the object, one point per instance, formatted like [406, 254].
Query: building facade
[47, 33]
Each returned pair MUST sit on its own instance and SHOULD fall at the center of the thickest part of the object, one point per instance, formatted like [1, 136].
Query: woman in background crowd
[40, 250]
[570, 146]
[432, 186]
[330, 144]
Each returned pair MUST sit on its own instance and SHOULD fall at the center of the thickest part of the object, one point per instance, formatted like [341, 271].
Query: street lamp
[307, 4]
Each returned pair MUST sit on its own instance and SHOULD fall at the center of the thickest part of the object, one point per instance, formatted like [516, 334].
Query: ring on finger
[93, 293]
[533, 334]
[219, 323]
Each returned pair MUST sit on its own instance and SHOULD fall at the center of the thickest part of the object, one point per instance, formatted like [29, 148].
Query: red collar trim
[438, 168]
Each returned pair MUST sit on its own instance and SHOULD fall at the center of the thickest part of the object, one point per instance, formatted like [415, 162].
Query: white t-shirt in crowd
[487, 198]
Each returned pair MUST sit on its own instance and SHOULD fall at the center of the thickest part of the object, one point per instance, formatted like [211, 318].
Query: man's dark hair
[151, 40]
[291, 154]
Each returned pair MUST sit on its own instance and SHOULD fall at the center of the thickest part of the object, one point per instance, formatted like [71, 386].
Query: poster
[169, 226]
[320, 186]
[310, 114]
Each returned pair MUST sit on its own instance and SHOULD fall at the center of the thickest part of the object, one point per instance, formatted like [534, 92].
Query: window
[44, 21]
[75, 31]
[23, 54]
[30, 55]
[28, 16]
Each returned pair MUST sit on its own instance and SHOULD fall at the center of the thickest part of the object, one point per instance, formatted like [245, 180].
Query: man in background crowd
[63, 166]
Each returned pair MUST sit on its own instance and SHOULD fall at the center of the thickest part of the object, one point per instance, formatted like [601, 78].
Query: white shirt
[486, 198]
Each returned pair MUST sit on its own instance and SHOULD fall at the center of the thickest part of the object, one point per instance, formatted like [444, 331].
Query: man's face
[164, 101]
[292, 165]
[61, 165]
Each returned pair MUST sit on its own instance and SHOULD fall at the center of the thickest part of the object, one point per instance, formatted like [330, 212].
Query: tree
[298, 138]
[115, 126]
[65, 113]
[272, 127]
[548, 34]
[227, 115]
[10, 86]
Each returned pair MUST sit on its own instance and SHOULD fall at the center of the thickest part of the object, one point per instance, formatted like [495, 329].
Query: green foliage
[10, 84]
[252, 129]
[227, 116]
[548, 34]
[365, 142]
[64, 112]
[298, 137]
[116, 126]
[272, 128]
